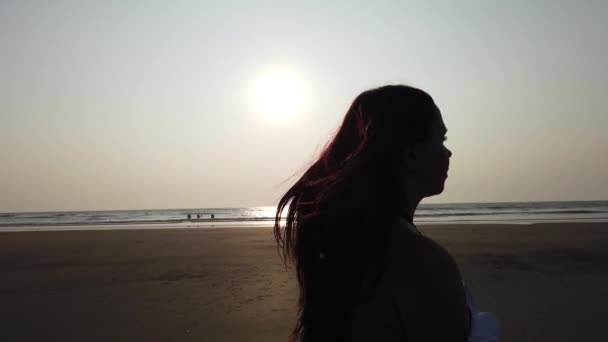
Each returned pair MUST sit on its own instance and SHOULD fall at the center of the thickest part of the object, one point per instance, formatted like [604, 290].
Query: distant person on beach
[198, 216]
[189, 217]
[212, 216]
[365, 272]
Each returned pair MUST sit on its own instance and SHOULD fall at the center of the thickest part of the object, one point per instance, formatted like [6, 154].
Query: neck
[409, 207]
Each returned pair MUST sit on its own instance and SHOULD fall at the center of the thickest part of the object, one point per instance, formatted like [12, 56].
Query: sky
[146, 104]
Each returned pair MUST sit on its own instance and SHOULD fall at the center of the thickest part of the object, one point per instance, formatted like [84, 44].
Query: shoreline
[226, 224]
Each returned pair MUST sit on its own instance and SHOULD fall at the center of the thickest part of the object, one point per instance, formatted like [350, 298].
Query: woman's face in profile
[429, 161]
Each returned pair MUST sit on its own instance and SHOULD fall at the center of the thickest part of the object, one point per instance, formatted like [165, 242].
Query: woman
[365, 272]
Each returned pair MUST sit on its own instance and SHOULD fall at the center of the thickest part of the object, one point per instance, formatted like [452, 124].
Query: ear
[408, 158]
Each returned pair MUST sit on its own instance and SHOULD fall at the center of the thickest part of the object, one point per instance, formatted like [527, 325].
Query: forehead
[438, 124]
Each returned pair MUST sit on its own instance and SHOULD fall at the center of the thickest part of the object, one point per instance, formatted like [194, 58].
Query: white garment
[484, 325]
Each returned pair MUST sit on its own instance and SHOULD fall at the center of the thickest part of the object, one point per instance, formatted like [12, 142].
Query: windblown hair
[338, 213]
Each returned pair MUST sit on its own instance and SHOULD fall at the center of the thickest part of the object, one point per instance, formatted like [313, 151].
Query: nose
[449, 153]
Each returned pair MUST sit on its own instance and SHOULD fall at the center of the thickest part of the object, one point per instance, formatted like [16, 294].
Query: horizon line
[265, 206]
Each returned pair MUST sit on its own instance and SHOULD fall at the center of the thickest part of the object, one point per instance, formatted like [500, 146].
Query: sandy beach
[545, 282]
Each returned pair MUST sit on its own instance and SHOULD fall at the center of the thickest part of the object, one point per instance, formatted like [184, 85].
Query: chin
[436, 191]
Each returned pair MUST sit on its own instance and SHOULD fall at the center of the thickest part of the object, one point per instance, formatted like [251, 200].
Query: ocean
[512, 212]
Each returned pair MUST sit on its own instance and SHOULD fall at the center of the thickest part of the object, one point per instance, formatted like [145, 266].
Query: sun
[279, 95]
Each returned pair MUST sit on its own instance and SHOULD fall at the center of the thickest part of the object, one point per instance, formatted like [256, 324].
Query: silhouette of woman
[364, 270]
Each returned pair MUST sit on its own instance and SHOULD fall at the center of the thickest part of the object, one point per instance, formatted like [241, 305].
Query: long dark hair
[336, 226]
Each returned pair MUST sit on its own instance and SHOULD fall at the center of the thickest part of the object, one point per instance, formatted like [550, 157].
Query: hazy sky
[147, 104]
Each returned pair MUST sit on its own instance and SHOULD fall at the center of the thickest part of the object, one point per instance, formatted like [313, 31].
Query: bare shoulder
[418, 252]
[426, 285]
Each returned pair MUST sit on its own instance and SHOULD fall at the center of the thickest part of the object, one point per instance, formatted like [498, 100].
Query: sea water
[512, 212]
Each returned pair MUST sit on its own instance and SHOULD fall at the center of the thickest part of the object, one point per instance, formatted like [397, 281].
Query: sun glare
[279, 95]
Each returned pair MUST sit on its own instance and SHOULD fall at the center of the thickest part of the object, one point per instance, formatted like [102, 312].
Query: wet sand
[545, 282]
